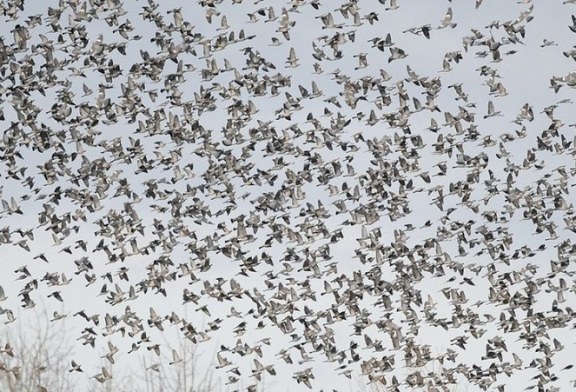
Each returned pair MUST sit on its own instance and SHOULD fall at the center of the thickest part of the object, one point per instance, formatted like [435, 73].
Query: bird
[447, 20]
[572, 27]
[175, 358]
[491, 112]
[396, 54]
[75, 367]
[292, 59]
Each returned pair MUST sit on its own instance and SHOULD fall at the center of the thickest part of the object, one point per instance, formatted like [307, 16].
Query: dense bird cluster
[307, 183]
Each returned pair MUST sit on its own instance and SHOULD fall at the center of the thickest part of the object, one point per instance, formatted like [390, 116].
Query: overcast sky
[103, 159]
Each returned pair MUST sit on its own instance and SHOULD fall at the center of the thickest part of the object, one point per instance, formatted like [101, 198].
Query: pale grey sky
[525, 71]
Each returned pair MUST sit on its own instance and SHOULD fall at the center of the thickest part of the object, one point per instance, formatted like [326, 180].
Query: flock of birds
[200, 171]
